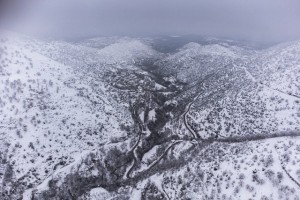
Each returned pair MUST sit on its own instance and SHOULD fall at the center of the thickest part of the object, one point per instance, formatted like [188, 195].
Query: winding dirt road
[193, 133]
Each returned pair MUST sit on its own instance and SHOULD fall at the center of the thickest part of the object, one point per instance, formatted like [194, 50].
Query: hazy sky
[261, 20]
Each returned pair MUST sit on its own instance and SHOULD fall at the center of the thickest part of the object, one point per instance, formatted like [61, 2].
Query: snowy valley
[118, 118]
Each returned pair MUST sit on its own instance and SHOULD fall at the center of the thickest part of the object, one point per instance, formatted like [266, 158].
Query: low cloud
[255, 20]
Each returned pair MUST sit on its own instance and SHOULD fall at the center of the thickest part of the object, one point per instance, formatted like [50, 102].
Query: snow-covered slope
[113, 118]
[278, 67]
[50, 114]
[276, 71]
[193, 61]
[234, 89]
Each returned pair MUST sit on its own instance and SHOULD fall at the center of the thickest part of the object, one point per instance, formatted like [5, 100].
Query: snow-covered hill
[234, 89]
[278, 68]
[194, 61]
[113, 118]
[50, 114]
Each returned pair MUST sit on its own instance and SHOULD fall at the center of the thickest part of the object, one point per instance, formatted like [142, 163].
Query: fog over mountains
[149, 100]
[264, 21]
